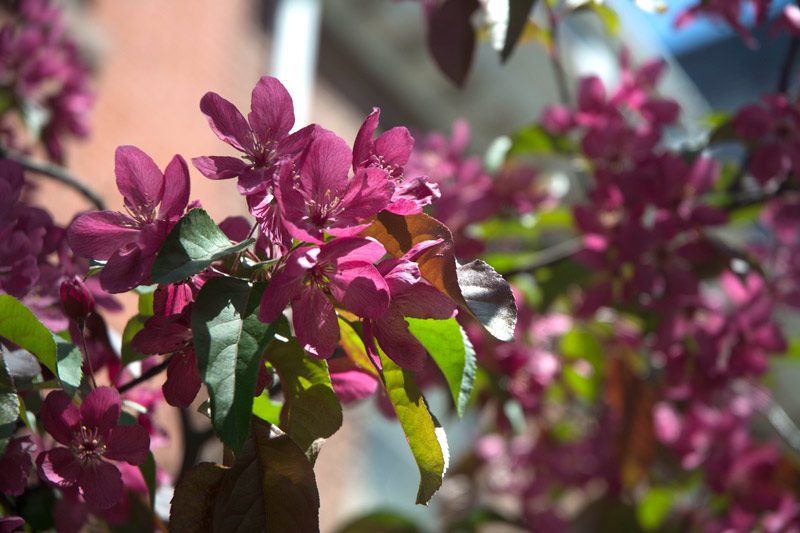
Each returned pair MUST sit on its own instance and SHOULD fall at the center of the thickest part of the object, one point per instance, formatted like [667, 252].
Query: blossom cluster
[43, 76]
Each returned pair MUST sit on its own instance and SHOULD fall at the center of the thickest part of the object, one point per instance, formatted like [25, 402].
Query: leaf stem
[55, 172]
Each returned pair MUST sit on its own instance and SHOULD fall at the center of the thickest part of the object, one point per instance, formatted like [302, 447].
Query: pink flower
[321, 198]
[263, 138]
[92, 437]
[342, 269]
[129, 242]
[772, 132]
[390, 151]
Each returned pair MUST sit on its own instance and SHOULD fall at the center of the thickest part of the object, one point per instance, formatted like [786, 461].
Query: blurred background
[154, 60]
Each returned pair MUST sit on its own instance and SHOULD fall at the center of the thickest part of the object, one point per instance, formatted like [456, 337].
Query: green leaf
[20, 326]
[535, 139]
[191, 246]
[655, 507]
[192, 508]
[134, 326]
[229, 341]
[606, 15]
[265, 409]
[9, 407]
[311, 409]
[148, 470]
[429, 450]
[69, 365]
[448, 345]
[271, 487]
[384, 521]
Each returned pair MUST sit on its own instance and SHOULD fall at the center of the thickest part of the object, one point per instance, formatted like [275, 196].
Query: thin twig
[55, 172]
[144, 377]
[550, 256]
[555, 57]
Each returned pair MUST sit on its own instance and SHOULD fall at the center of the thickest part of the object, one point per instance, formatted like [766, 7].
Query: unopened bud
[78, 302]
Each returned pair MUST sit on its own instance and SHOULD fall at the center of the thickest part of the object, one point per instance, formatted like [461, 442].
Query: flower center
[89, 445]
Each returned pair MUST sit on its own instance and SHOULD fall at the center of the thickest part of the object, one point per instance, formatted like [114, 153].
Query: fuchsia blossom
[321, 198]
[267, 146]
[92, 437]
[390, 151]
[728, 12]
[342, 269]
[129, 242]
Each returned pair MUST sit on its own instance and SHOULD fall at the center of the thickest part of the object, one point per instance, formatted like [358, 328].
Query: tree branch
[788, 63]
[144, 377]
[55, 172]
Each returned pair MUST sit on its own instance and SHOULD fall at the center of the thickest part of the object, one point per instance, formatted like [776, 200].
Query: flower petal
[101, 485]
[100, 233]
[183, 380]
[315, 323]
[176, 189]
[272, 113]
[349, 381]
[286, 284]
[219, 167]
[139, 180]
[128, 443]
[394, 147]
[125, 270]
[59, 466]
[360, 288]
[368, 192]
[422, 300]
[61, 417]
[351, 249]
[363, 145]
[226, 121]
[391, 332]
[324, 172]
[101, 409]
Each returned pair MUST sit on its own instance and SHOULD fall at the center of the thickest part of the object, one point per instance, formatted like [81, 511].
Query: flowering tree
[620, 375]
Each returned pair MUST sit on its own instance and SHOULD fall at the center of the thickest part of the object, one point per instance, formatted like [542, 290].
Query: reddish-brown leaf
[192, 506]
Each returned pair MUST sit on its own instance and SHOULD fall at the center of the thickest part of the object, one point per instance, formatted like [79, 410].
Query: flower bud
[78, 302]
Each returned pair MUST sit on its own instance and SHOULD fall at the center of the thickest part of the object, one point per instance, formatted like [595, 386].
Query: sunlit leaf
[134, 326]
[229, 341]
[427, 442]
[20, 326]
[311, 409]
[69, 365]
[655, 507]
[191, 246]
[448, 345]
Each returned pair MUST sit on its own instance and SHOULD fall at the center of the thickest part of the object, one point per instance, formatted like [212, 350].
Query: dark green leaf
[69, 365]
[9, 407]
[489, 298]
[449, 346]
[191, 246]
[518, 11]
[271, 487]
[134, 326]
[428, 443]
[381, 522]
[192, 506]
[229, 341]
[19, 325]
[148, 470]
[311, 409]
